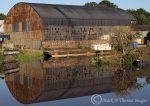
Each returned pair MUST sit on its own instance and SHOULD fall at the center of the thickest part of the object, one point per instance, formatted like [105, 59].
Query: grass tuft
[29, 55]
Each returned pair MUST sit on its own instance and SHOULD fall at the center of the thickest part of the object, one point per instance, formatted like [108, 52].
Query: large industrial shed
[49, 26]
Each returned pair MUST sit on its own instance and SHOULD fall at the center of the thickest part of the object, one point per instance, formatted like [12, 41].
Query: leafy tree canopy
[106, 3]
[103, 3]
[2, 16]
[91, 4]
[142, 16]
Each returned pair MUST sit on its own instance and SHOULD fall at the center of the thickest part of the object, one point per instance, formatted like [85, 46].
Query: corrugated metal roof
[80, 12]
[54, 14]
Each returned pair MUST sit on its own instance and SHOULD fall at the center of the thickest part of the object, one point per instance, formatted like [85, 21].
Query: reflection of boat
[11, 71]
[10, 63]
[10, 66]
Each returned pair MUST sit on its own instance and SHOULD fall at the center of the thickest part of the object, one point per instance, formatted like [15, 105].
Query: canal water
[74, 82]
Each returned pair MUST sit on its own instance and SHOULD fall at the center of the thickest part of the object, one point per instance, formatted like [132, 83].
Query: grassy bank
[117, 59]
[29, 55]
[26, 55]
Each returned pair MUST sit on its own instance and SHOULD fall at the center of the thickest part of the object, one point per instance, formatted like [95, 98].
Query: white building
[1, 26]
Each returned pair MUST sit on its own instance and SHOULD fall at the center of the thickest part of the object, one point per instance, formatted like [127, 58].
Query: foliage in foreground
[122, 41]
[128, 59]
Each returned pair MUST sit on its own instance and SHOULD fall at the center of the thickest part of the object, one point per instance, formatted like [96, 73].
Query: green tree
[106, 3]
[103, 3]
[91, 4]
[142, 16]
[2, 16]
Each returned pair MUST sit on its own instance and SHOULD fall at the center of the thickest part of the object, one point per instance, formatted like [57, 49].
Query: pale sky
[6, 5]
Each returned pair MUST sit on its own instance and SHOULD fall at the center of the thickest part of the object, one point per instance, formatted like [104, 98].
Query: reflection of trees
[124, 82]
[1, 71]
[148, 80]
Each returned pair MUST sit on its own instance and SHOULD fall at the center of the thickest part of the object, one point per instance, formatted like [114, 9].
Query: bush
[97, 60]
[2, 16]
[129, 58]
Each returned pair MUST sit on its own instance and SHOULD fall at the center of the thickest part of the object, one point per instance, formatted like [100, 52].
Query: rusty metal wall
[22, 16]
[43, 34]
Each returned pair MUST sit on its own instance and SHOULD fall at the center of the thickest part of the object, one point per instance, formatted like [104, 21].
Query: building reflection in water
[64, 78]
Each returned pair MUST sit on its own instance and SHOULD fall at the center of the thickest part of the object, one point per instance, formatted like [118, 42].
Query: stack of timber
[10, 63]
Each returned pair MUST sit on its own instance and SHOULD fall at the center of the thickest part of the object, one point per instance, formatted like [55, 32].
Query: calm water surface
[73, 82]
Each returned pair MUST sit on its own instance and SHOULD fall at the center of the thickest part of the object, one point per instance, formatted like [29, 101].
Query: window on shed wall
[15, 27]
[25, 26]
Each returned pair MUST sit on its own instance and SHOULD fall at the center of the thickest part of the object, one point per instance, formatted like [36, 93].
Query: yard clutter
[10, 63]
[5, 41]
[101, 47]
